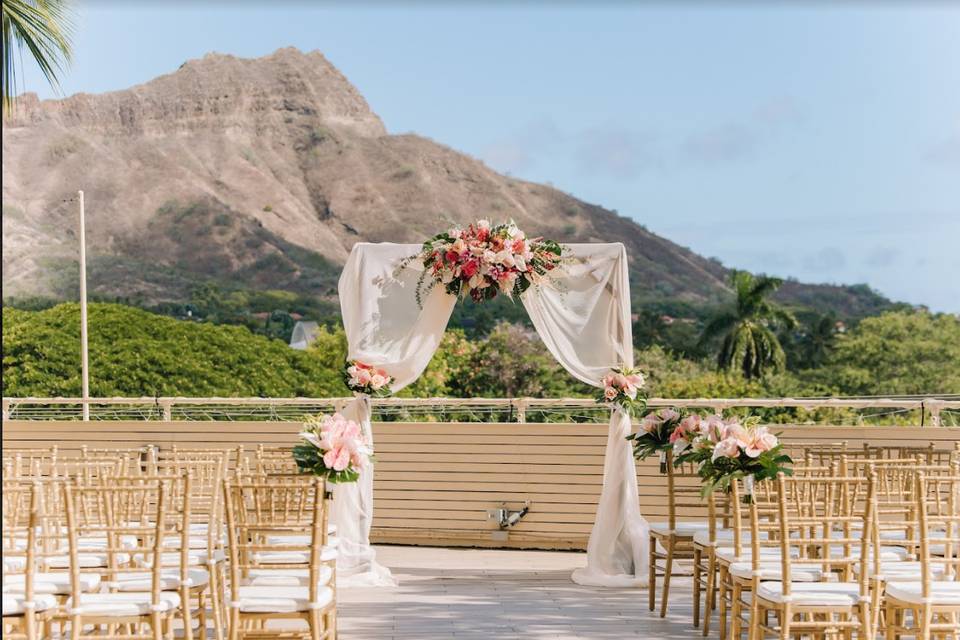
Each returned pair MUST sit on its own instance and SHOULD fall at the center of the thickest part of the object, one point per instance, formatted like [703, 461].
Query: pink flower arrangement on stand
[333, 447]
[726, 450]
[656, 435]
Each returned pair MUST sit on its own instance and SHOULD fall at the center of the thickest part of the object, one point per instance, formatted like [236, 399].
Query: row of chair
[722, 551]
[124, 543]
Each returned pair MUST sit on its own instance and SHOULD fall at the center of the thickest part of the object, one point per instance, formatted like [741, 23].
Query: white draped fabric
[582, 313]
[385, 327]
[583, 316]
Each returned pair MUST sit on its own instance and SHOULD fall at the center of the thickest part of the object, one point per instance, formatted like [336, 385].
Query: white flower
[483, 224]
[454, 233]
[521, 263]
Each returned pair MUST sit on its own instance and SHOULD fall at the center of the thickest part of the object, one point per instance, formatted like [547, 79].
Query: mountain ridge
[262, 173]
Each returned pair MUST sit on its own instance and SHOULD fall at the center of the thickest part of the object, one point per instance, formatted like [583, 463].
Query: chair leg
[722, 601]
[652, 586]
[710, 602]
[697, 556]
[667, 571]
[315, 621]
[785, 617]
[926, 619]
[736, 611]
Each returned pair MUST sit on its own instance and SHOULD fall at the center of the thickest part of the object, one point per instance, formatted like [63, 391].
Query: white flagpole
[84, 364]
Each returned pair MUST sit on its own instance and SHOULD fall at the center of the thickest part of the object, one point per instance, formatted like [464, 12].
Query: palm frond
[42, 27]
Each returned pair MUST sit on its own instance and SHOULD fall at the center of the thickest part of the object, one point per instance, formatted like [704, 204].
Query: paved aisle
[473, 593]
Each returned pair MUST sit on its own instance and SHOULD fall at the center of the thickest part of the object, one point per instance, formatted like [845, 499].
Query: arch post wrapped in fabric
[582, 314]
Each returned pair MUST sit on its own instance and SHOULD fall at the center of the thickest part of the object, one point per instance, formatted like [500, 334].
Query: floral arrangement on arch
[623, 387]
[655, 435]
[483, 260]
[333, 447]
[726, 450]
[367, 379]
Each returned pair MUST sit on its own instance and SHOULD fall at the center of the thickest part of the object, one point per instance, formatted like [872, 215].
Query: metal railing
[926, 411]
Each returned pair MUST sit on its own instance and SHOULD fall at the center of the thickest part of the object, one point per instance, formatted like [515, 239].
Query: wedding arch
[582, 314]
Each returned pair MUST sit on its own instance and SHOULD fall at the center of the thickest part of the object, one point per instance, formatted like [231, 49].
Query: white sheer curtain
[583, 317]
[385, 327]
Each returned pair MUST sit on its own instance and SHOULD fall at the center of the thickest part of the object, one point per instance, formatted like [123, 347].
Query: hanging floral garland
[484, 260]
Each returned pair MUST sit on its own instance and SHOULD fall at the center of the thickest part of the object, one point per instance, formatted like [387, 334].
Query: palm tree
[43, 28]
[749, 342]
[818, 340]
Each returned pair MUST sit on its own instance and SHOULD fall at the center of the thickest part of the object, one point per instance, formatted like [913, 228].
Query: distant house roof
[304, 333]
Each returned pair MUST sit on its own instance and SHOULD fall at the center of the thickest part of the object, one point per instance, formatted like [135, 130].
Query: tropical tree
[746, 330]
[818, 340]
[43, 28]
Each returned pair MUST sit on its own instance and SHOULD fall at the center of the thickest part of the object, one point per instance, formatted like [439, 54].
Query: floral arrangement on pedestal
[623, 387]
[367, 379]
[655, 435]
[483, 260]
[727, 450]
[333, 447]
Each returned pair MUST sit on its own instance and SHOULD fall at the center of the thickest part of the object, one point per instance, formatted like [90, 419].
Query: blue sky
[813, 140]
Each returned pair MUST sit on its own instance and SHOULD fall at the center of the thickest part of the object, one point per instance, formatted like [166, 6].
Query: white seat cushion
[908, 571]
[193, 542]
[941, 593]
[773, 571]
[13, 603]
[169, 580]
[14, 563]
[279, 599]
[55, 583]
[293, 557]
[683, 529]
[829, 594]
[729, 554]
[287, 577]
[195, 558]
[887, 554]
[86, 560]
[123, 604]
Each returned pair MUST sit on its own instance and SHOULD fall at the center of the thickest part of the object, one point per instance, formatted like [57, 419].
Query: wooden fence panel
[435, 482]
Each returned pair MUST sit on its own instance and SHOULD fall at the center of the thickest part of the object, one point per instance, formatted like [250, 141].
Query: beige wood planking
[436, 481]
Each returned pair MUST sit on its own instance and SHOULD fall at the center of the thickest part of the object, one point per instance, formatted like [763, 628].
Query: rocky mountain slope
[262, 174]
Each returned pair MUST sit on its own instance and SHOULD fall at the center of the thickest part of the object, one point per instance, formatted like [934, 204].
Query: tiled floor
[473, 593]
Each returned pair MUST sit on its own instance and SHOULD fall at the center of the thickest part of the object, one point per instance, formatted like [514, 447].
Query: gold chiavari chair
[895, 531]
[206, 540]
[133, 515]
[134, 459]
[26, 609]
[676, 534]
[28, 463]
[933, 600]
[718, 531]
[267, 519]
[818, 525]
[734, 562]
[275, 460]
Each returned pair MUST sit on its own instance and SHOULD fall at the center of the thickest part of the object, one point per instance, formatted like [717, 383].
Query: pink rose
[610, 393]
